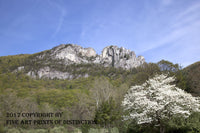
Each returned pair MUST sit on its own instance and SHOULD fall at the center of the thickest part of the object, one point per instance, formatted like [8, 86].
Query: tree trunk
[162, 129]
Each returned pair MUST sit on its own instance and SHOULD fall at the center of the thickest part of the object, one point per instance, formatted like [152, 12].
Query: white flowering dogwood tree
[158, 100]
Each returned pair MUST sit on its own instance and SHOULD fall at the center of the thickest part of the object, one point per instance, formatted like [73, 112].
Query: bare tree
[102, 90]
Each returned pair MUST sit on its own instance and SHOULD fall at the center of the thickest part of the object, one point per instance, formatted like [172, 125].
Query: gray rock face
[49, 73]
[111, 56]
[73, 54]
[120, 57]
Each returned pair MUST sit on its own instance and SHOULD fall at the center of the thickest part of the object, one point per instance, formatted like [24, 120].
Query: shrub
[58, 130]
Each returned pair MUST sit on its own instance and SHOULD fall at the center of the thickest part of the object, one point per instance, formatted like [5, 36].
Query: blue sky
[155, 29]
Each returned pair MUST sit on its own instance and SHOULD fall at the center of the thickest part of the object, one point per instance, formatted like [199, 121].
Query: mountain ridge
[65, 55]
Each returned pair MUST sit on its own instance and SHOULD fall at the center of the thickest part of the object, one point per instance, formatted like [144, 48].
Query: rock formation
[120, 57]
[111, 56]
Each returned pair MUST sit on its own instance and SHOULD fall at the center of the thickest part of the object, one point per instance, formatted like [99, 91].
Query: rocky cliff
[64, 55]
[120, 57]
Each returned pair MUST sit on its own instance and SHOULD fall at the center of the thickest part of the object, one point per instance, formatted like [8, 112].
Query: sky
[155, 29]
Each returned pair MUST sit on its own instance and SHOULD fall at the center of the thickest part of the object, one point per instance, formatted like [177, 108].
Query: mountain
[192, 73]
[108, 78]
[55, 63]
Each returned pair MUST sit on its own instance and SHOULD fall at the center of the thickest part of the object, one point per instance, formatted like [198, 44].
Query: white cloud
[60, 23]
[166, 2]
[189, 11]
[62, 16]
[183, 25]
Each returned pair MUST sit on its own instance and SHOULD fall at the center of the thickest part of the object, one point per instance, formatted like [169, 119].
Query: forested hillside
[192, 73]
[96, 97]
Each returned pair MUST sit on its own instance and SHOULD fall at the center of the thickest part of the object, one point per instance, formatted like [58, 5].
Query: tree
[157, 100]
[83, 108]
[174, 70]
[108, 113]
[102, 90]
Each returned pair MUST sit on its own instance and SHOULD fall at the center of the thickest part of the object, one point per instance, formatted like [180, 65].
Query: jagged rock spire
[110, 56]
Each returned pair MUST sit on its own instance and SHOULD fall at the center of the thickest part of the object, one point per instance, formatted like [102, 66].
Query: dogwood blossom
[158, 99]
